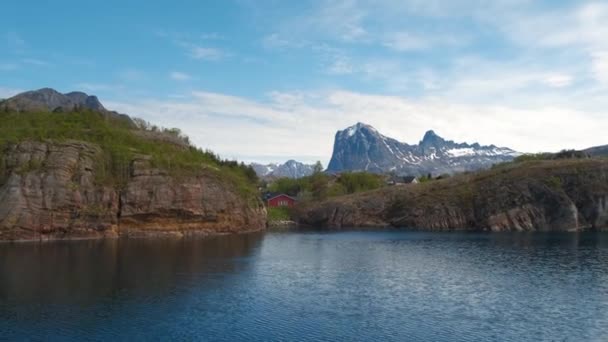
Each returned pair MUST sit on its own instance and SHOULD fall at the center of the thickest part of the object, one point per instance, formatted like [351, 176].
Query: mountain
[50, 100]
[290, 169]
[362, 148]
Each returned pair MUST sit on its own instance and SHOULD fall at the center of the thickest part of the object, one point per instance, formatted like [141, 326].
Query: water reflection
[389, 286]
[84, 271]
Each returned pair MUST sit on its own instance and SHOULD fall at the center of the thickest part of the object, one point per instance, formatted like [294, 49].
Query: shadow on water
[83, 271]
[308, 285]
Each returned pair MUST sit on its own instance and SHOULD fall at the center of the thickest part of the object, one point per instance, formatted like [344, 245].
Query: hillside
[84, 173]
[363, 148]
[552, 195]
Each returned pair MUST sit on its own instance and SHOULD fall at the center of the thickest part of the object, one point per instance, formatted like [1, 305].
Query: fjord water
[381, 286]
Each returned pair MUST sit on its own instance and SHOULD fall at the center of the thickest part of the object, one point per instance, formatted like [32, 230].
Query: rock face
[362, 148]
[50, 191]
[567, 195]
[290, 169]
[47, 99]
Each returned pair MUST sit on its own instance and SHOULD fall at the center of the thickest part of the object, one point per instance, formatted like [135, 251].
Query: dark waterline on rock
[309, 286]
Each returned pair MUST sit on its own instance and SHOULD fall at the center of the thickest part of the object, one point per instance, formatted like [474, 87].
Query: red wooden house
[281, 200]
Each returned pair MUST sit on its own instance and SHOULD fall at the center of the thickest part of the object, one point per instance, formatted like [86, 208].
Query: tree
[318, 168]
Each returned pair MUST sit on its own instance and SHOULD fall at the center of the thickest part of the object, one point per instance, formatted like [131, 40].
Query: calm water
[382, 286]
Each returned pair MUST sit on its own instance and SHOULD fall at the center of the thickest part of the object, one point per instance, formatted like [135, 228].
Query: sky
[270, 80]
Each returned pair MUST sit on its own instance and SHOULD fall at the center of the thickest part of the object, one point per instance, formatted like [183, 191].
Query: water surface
[352, 286]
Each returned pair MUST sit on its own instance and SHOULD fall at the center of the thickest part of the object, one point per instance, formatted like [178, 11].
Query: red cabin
[281, 200]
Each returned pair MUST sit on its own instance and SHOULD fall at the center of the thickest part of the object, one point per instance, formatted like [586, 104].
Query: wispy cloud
[407, 41]
[36, 62]
[206, 53]
[179, 76]
[96, 87]
[600, 66]
[288, 124]
[193, 44]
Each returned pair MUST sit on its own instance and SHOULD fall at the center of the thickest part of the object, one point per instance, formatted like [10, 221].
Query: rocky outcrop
[564, 195]
[154, 202]
[54, 190]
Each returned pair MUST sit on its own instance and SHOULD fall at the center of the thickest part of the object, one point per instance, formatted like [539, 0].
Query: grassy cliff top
[502, 179]
[120, 143]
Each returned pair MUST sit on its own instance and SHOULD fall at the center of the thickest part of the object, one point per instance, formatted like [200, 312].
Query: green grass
[278, 214]
[120, 143]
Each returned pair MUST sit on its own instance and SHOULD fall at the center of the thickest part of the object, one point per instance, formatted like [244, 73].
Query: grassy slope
[119, 144]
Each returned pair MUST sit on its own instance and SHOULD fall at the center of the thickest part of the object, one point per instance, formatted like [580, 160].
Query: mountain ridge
[50, 100]
[361, 147]
[290, 169]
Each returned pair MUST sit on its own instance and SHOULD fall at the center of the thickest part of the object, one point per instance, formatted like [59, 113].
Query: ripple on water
[351, 286]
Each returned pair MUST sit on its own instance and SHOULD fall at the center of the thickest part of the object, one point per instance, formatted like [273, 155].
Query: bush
[320, 185]
[279, 214]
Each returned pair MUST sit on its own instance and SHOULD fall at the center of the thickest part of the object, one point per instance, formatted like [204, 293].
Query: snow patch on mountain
[362, 148]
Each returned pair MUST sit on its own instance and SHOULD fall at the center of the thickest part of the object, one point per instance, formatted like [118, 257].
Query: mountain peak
[361, 147]
[50, 99]
[431, 138]
[359, 126]
[430, 135]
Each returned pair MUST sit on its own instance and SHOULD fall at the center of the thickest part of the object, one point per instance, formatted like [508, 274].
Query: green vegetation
[564, 154]
[120, 142]
[320, 186]
[278, 214]
[554, 183]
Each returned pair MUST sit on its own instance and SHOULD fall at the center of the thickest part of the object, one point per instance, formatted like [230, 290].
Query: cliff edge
[555, 195]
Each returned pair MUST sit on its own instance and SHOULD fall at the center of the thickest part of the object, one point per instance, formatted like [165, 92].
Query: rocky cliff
[558, 195]
[53, 190]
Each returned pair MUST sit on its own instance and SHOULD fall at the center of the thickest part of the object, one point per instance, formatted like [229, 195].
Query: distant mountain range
[362, 148]
[290, 169]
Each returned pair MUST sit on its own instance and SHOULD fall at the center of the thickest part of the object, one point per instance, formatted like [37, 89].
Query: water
[353, 286]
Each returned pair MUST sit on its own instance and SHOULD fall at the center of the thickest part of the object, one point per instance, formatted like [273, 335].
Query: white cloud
[600, 66]
[285, 125]
[340, 65]
[206, 53]
[408, 41]
[96, 87]
[405, 41]
[179, 76]
[558, 80]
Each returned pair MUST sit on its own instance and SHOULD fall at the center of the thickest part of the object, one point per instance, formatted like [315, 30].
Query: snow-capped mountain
[290, 169]
[361, 147]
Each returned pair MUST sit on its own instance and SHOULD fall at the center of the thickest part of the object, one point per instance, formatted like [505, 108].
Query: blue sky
[270, 80]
